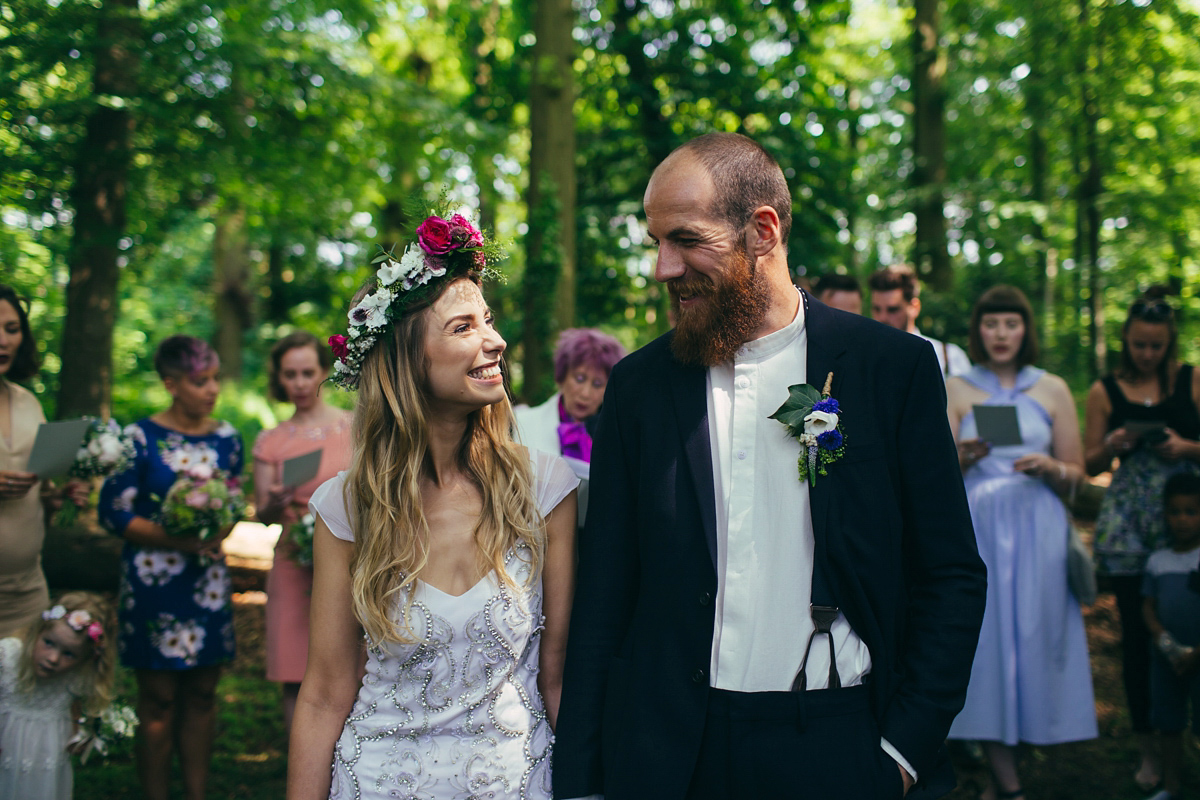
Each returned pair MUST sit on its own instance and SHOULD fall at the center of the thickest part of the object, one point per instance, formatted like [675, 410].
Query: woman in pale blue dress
[1031, 680]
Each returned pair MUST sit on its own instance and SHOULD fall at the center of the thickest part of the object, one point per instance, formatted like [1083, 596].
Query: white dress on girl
[456, 716]
[34, 730]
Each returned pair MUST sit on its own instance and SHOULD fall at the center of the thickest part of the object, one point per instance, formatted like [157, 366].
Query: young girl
[60, 670]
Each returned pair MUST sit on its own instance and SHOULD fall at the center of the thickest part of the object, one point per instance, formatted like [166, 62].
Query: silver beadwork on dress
[457, 715]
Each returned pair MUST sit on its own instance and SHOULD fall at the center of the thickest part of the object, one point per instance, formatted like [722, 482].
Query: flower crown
[445, 250]
[80, 621]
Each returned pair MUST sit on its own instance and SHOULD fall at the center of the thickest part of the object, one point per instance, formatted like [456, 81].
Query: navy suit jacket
[891, 526]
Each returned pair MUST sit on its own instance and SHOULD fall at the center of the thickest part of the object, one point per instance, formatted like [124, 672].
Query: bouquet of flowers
[301, 537]
[95, 733]
[202, 501]
[105, 450]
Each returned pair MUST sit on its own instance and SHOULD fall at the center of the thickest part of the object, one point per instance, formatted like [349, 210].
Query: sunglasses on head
[1151, 310]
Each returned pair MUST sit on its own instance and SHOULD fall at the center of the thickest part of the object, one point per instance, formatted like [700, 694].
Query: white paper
[55, 447]
[301, 469]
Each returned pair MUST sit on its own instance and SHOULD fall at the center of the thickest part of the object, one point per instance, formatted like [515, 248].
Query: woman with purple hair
[176, 620]
[563, 424]
[583, 359]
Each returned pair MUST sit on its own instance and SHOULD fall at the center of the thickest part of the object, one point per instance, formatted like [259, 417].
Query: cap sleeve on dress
[327, 501]
[260, 442]
[553, 480]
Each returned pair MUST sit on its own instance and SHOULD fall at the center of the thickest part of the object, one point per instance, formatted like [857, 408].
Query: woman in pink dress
[298, 365]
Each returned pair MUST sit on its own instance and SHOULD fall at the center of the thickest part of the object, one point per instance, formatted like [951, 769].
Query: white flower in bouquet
[106, 450]
[301, 537]
[118, 721]
[121, 720]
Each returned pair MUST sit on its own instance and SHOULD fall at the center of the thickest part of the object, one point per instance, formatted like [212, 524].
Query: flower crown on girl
[79, 620]
[445, 250]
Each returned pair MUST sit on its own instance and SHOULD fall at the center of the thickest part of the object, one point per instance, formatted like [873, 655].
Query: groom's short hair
[745, 177]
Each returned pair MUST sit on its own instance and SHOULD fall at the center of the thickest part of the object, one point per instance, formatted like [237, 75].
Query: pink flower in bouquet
[337, 343]
[434, 236]
[196, 499]
[200, 472]
[216, 503]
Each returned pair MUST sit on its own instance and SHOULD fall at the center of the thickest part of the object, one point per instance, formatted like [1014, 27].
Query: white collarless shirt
[764, 527]
[765, 539]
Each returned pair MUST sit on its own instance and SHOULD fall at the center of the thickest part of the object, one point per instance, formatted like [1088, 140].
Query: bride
[446, 546]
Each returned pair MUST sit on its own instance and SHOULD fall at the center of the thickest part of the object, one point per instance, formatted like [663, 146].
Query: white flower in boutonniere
[814, 419]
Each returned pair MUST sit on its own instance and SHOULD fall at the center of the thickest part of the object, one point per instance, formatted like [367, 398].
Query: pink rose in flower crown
[337, 343]
[434, 236]
[463, 233]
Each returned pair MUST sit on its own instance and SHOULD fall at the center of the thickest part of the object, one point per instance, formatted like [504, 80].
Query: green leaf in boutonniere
[814, 418]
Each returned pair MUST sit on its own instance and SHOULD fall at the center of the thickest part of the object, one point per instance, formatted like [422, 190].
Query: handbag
[1081, 574]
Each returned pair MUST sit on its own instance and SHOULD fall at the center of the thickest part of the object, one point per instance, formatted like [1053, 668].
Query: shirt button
[743, 382]
[705, 597]
[698, 676]
[741, 455]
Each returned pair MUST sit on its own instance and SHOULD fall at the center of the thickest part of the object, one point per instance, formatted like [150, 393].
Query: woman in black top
[1146, 415]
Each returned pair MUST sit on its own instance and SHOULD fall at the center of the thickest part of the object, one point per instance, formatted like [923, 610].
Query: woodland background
[225, 167]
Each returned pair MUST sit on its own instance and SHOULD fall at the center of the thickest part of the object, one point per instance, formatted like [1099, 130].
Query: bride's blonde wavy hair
[391, 455]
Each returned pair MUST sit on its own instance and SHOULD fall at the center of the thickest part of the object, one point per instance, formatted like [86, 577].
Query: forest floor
[249, 760]
[1101, 769]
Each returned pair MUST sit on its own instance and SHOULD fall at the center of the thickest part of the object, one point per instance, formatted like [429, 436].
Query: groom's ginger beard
[734, 308]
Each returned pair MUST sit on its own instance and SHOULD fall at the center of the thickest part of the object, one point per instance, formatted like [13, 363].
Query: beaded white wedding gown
[456, 716]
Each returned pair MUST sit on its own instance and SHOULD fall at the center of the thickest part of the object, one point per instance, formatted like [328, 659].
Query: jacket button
[698, 676]
[705, 597]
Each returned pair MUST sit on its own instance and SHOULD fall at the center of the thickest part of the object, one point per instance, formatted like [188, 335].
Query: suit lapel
[690, 391]
[824, 350]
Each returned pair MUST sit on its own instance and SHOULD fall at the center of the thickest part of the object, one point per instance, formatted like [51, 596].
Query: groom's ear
[762, 232]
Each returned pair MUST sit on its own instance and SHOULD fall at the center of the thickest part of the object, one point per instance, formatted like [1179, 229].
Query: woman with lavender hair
[176, 620]
[563, 425]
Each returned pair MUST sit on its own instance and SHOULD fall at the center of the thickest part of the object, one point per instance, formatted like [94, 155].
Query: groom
[709, 572]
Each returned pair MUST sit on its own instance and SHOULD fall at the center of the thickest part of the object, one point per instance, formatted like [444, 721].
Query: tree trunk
[550, 243]
[1035, 111]
[930, 257]
[276, 306]
[657, 136]
[1176, 223]
[1089, 195]
[1082, 312]
[98, 196]
[232, 301]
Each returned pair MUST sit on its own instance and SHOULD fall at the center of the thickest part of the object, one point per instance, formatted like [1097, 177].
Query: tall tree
[1091, 185]
[930, 256]
[98, 196]
[550, 242]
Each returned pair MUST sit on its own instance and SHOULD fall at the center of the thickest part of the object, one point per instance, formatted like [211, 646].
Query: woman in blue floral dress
[176, 621]
[1147, 415]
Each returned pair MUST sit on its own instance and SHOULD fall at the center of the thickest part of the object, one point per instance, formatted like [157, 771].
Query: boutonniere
[812, 417]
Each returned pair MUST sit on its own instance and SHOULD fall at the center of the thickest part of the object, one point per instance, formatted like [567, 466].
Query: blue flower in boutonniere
[814, 418]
